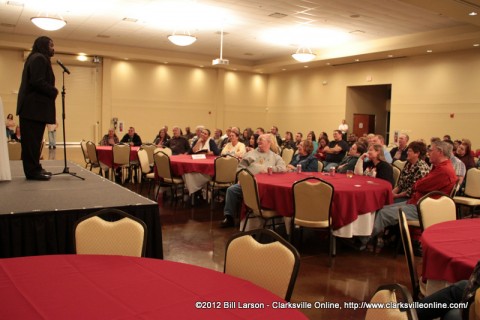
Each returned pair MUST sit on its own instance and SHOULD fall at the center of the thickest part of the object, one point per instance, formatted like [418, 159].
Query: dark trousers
[32, 136]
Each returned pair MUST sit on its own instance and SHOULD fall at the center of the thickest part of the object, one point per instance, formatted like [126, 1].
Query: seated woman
[415, 168]
[234, 147]
[349, 162]
[304, 158]
[253, 142]
[205, 144]
[16, 136]
[161, 139]
[288, 142]
[311, 137]
[320, 154]
[377, 167]
[109, 139]
[464, 153]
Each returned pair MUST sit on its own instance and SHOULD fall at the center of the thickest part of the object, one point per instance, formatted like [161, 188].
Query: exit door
[363, 124]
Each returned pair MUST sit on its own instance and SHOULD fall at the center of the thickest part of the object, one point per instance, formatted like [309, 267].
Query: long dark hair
[41, 45]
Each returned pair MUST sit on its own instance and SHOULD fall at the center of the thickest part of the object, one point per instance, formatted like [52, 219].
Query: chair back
[225, 169]
[273, 266]
[391, 293]
[124, 237]
[312, 202]
[144, 161]
[150, 148]
[287, 155]
[162, 163]
[472, 183]
[121, 154]
[165, 150]
[249, 191]
[92, 152]
[396, 175]
[14, 150]
[455, 189]
[409, 256]
[399, 164]
[435, 207]
[83, 145]
[320, 166]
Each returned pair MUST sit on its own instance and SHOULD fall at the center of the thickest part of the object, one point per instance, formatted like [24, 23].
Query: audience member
[16, 136]
[178, 143]
[198, 133]
[321, 154]
[52, 135]
[205, 144]
[415, 168]
[188, 134]
[350, 160]
[256, 161]
[343, 127]
[10, 125]
[252, 142]
[378, 139]
[161, 139]
[260, 131]
[400, 152]
[298, 138]
[464, 154]
[247, 133]
[217, 137]
[311, 137]
[274, 146]
[304, 158]
[132, 138]
[274, 132]
[288, 141]
[376, 167]
[110, 139]
[234, 147]
[352, 138]
[335, 151]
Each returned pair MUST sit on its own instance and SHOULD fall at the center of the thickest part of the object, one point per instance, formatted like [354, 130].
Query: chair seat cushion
[267, 213]
[174, 180]
[219, 185]
[467, 201]
[413, 223]
[150, 175]
[311, 224]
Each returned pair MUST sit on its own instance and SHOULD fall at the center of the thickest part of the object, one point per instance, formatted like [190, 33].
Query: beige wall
[425, 91]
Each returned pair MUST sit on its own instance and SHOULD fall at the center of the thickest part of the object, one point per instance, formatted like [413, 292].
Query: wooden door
[363, 124]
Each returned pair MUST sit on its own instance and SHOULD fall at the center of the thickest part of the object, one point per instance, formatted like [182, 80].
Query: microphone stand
[66, 170]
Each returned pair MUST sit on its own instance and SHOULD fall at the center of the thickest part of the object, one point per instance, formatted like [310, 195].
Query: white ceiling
[376, 29]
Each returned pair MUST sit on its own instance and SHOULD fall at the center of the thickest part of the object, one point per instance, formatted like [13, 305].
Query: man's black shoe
[227, 222]
[39, 176]
[45, 172]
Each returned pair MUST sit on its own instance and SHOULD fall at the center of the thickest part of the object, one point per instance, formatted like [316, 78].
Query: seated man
[110, 139]
[400, 152]
[132, 138]
[204, 144]
[178, 143]
[441, 178]
[335, 151]
[349, 162]
[256, 161]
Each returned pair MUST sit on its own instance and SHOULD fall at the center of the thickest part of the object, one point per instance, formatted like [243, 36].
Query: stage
[37, 217]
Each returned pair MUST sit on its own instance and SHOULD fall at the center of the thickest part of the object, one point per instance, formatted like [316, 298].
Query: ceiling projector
[220, 62]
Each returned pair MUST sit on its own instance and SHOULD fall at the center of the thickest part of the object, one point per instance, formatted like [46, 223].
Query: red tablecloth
[451, 250]
[352, 197]
[105, 155]
[184, 163]
[113, 287]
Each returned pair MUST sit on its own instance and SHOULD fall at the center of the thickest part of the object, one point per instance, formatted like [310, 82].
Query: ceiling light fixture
[182, 40]
[303, 54]
[48, 23]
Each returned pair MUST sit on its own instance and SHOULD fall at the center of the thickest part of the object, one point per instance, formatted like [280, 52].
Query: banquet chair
[272, 264]
[287, 155]
[165, 150]
[418, 289]
[471, 198]
[121, 159]
[312, 203]
[432, 211]
[395, 293]
[396, 175]
[93, 156]
[124, 237]
[83, 145]
[164, 171]
[147, 173]
[225, 174]
[150, 148]
[252, 200]
[320, 166]
[14, 150]
[399, 164]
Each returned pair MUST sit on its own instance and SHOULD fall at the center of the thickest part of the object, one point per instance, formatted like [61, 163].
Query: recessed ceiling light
[390, 55]
[429, 51]
[473, 13]
[357, 60]
[305, 67]
[476, 44]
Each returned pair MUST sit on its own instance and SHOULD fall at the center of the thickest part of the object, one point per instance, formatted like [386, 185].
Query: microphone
[63, 67]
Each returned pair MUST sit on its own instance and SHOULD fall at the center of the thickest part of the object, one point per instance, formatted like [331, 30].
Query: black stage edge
[37, 217]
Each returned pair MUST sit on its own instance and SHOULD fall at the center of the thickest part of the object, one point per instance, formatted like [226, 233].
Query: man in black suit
[36, 105]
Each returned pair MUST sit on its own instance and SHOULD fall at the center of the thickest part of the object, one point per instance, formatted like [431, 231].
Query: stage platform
[37, 217]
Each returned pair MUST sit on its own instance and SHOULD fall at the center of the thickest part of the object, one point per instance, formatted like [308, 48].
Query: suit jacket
[37, 93]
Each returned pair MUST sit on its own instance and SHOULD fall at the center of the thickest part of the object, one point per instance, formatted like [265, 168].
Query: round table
[451, 250]
[115, 287]
[353, 198]
[195, 172]
[105, 155]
